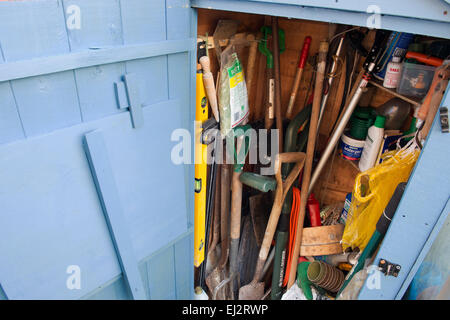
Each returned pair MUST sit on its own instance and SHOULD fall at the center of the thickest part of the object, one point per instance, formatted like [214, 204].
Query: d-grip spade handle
[280, 194]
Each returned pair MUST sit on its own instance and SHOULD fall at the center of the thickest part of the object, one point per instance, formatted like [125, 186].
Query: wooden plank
[112, 208]
[48, 196]
[178, 19]
[30, 29]
[394, 93]
[161, 275]
[89, 58]
[151, 76]
[144, 21]
[47, 103]
[184, 275]
[99, 24]
[96, 90]
[10, 124]
[142, 165]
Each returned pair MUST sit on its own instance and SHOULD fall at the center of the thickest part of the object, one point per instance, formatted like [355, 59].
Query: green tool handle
[368, 251]
[281, 240]
[258, 182]
[292, 140]
[282, 237]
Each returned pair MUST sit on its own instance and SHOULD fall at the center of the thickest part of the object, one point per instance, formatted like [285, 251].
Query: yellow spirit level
[201, 115]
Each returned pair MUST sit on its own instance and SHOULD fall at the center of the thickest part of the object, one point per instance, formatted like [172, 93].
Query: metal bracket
[443, 112]
[127, 92]
[389, 268]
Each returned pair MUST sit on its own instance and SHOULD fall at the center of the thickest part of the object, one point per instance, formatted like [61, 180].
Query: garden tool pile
[257, 234]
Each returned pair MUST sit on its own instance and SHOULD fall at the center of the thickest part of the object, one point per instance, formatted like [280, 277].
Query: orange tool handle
[432, 61]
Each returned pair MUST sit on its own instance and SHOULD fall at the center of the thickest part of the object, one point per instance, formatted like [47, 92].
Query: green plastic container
[360, 122]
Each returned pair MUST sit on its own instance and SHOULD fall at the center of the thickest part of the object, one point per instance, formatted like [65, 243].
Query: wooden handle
[439, 74]
[210, 88]
[280, 194]
[251, 62]
[270, 111]
[323, 50]
[236, 205]
[236, 197]
[224, 212]
[298, 75]
[434, 107]
[276, 68]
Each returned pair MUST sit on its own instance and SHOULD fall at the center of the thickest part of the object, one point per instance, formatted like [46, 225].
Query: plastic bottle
[393, 73]
[372, 144]
[314, 211]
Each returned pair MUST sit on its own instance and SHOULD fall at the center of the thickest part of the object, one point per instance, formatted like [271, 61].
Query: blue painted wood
[178, 19]
[433, 252]
[161, 274]
[10, 124]
[116, 288]
[426, 194]
[134, 100]
[151, 76]
[96, 93]
[184, 277]
[143, 21]
[51, 216]
[46, 188]
[395, 23]
[112, 208]
[47, 103]
[100, 24]
[30, 29]
[88, 58]
[420, 9]
[147, 179]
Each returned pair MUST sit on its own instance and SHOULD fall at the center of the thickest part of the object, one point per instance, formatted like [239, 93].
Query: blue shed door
[91, 204]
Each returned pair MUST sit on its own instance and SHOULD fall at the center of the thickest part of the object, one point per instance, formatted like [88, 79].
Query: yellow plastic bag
[372, 191]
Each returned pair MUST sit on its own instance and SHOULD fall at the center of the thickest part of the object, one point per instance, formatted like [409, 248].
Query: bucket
[351, 148]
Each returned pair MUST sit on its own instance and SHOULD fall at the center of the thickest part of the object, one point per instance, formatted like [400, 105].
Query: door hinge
[389, 268]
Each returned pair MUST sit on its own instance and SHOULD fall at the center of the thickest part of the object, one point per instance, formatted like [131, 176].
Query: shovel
[255, 289]
[215, 280]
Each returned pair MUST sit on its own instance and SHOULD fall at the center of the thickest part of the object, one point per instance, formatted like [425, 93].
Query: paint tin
[397, 45]
[351, 148]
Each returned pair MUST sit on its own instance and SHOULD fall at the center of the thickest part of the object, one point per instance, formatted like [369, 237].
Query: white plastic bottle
[372, 144]
[393, 73]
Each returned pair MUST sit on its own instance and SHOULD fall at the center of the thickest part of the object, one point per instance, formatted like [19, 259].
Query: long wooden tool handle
[269, 115]
[280, 194]
[298, 75]
[276, 67]
[437, 78]
[323, 50]
[210, 88]
[251, 62]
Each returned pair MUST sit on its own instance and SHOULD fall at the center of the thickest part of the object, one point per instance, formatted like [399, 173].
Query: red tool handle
[304, 53]
[432, 61]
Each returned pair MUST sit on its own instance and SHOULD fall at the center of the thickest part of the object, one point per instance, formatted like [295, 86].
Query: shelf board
[379, 85]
